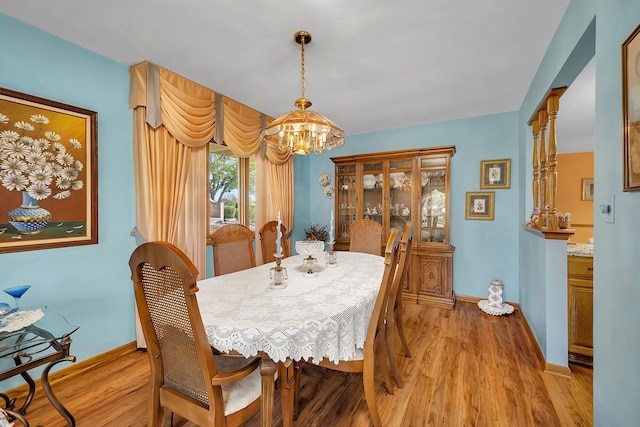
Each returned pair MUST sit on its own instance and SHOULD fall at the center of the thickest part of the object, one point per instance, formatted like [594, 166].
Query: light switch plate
[611, 215]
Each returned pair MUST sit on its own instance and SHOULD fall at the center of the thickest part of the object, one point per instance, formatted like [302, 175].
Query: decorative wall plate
[329, 191]
[324, 179]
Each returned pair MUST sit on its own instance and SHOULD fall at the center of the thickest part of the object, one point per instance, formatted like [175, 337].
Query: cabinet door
[373, 191]
[400, 184]
[580, 309]
[346, 201]
[434, 201]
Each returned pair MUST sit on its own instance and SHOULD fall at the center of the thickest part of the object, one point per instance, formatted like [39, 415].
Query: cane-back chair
[186, 377]
[366, 236]
[393, 317]
[375, 344]
[268, 236]
[232, 248]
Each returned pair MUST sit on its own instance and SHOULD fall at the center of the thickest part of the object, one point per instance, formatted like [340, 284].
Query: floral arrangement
[316, 232]
[35, 161]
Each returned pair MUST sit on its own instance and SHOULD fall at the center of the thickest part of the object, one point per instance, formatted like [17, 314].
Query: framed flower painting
[48, 174]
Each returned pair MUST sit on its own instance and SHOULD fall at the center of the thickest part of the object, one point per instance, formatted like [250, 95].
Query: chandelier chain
[304, 84]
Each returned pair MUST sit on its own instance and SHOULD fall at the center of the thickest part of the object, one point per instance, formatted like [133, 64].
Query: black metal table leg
[48, 391]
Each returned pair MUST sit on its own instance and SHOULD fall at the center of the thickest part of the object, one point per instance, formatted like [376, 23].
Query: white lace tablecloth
[20, 319]
[313, 317]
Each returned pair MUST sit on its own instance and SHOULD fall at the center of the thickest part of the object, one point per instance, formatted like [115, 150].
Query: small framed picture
[587, 189]
[495, 173]
[479, 205]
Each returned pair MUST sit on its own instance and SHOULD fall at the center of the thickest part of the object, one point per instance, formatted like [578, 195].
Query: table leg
[44, 379]
[287, 391]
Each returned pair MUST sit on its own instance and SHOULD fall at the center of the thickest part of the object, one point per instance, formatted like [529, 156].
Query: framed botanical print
[48, 174]
[495, 173]
[631, 110]
[479, 205]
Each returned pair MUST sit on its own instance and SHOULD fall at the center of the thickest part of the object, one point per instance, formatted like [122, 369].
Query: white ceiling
[372, 65]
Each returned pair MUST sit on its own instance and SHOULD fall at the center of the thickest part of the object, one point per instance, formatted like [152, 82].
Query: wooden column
[536, 165]
[544, 197]
[552, 162]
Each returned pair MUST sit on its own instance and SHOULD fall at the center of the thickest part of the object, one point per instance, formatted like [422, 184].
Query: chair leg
[381, 352]
[297, 374]
[397, 313]
[390, 338]
[370, 391]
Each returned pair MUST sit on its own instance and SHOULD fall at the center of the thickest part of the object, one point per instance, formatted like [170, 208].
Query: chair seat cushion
[240, 394]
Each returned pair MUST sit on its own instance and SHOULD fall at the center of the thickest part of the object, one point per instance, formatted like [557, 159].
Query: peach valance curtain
[174, 120]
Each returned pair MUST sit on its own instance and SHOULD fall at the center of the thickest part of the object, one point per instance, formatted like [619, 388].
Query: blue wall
[616, 386]
[485, 250]
[90, 284]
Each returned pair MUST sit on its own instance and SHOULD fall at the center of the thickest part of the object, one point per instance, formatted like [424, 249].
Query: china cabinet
[397, 188]
[580, 309]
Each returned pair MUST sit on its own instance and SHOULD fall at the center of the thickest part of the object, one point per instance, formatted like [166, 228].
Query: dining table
[319, 312]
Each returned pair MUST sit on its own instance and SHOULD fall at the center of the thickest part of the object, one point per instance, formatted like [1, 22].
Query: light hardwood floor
[467, 369]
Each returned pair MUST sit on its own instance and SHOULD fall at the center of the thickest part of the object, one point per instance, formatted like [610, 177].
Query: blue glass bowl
[5, 309]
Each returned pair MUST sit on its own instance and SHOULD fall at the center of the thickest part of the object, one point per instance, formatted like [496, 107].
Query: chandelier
[302, 131]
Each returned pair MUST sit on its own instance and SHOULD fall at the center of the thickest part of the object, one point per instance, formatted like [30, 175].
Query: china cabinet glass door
[400, 178]
[346, 199]
[433, 200]
[372, 191]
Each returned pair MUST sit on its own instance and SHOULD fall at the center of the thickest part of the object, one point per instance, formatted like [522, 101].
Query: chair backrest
[366, 236]
[268, 236]
[404, 256]
[182, 363]
[232, 248]
[376, 324]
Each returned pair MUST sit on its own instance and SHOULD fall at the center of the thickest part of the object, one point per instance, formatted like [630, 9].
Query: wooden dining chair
[186, 377]
[232, 248]
[375, 344]
[366, 236]
[393, 316]
[268, 235]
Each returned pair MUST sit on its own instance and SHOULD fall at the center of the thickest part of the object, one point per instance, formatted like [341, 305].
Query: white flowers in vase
[36, 161]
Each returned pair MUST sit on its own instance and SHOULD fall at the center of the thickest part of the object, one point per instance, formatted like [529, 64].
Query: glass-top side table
[47, 342]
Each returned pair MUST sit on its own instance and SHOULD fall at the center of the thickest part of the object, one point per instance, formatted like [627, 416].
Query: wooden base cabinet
[397, 188]
[431, 280]
[580, 309]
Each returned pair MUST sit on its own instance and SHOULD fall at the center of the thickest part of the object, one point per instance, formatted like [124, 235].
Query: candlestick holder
[332, 259]
[310, 263]
[278, 274]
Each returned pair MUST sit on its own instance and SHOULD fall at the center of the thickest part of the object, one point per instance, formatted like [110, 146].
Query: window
[232, 188]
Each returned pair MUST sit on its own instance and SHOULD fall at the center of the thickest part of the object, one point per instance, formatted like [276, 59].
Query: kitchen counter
[580, 249]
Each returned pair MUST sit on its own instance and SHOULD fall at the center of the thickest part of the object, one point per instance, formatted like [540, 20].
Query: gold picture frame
[479, 205]
[631, 110]
[495, 173]
[49, 175]
[587, 189]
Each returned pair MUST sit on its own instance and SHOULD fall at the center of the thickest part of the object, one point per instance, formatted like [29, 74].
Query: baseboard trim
[76, 368]
[552, 368]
